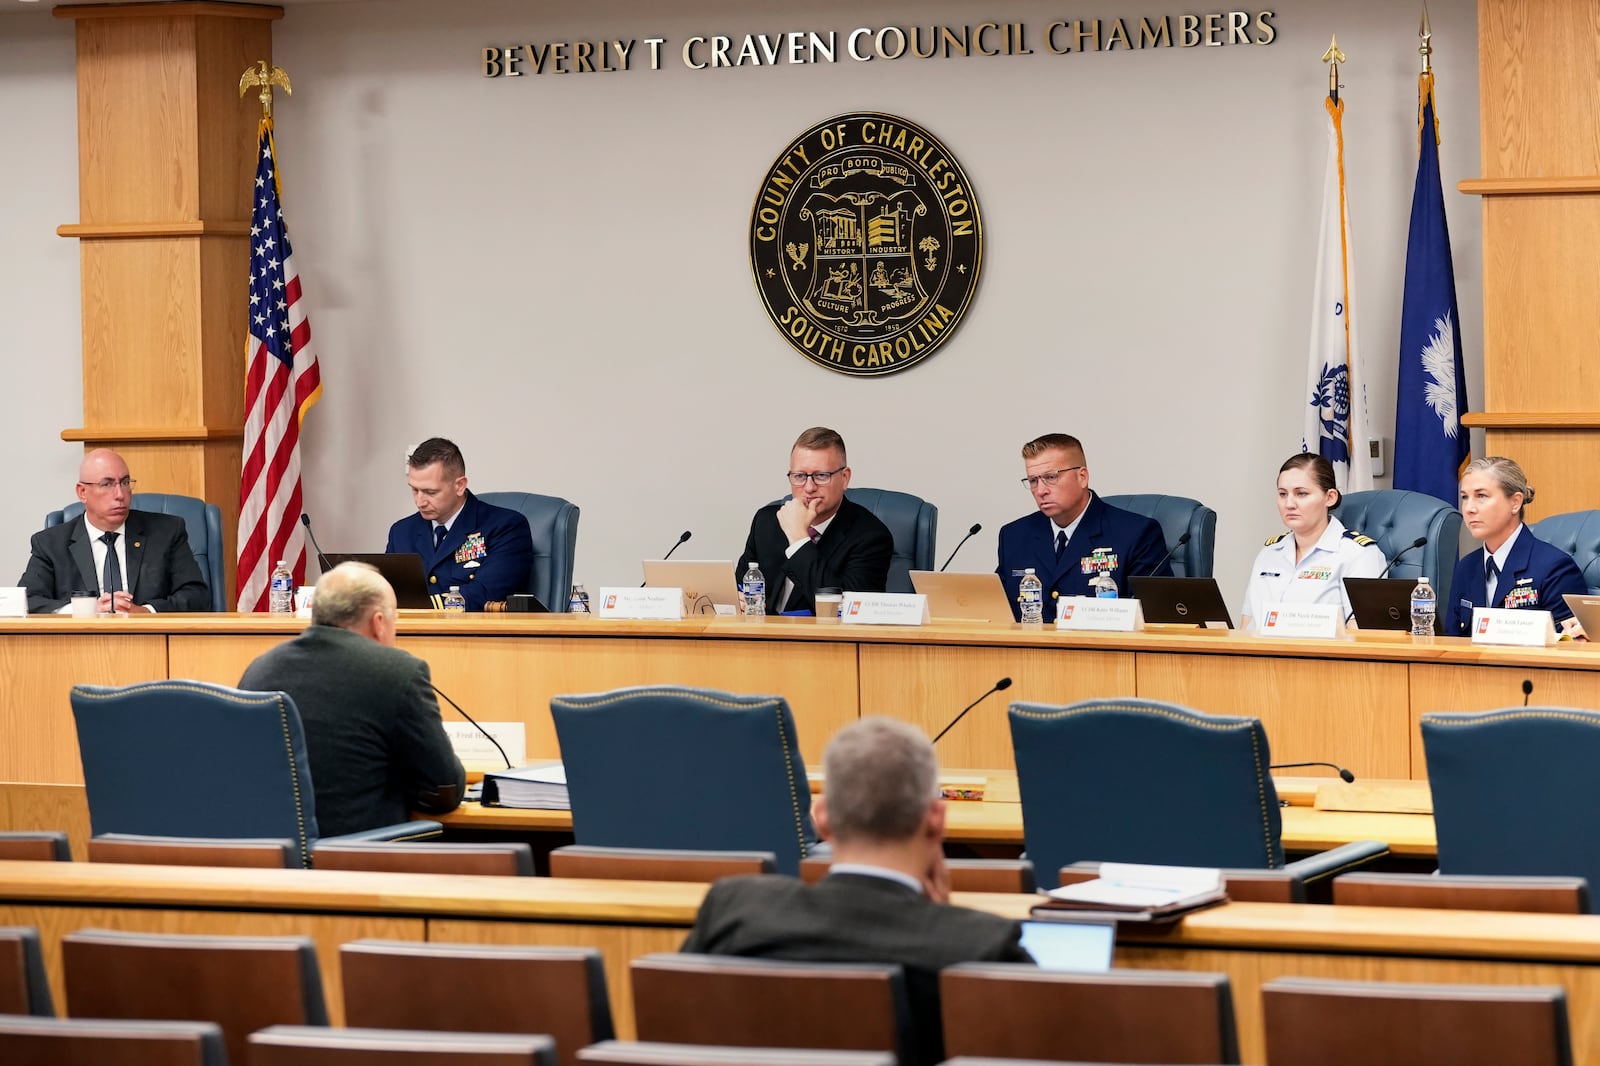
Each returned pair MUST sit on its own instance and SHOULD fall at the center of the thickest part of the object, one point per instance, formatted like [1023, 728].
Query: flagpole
[1333, 57]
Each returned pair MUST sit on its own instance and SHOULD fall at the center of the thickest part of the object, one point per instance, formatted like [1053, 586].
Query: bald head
[105, 488]
[355, 596]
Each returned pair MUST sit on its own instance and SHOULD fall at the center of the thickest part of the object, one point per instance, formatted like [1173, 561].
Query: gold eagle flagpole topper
[266, 78]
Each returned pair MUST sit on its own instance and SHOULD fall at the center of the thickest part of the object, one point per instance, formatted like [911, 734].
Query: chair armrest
[419, 830]
[1325, 865]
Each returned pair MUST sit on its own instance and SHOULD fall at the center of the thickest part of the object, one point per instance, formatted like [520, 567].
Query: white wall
[41, 364]
[553, 270]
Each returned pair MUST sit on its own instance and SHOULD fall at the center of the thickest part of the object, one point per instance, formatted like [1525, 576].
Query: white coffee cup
[83, 605]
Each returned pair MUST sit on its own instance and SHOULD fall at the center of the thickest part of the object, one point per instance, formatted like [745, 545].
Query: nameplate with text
[884, 609]
[1305, 621]
[13, 602]
[650, 602]
[477, 753]
[1521, 627]
[1090, 614]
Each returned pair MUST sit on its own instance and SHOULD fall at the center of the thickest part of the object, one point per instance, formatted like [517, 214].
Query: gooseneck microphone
[1419, 542]
[1170, 553]
[1344, 775]
[475, 724]
[999, 686]
[685, 535]
[977, 527]
[1527, 690]
[322, 560]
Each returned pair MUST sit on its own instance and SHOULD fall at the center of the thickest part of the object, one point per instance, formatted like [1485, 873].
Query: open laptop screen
[1082, 946]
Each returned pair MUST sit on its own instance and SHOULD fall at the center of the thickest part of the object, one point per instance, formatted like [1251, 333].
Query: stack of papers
[542, 786]
[1142, 893]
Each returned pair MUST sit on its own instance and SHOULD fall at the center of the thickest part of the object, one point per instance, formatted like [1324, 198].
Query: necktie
[1061, 543]
[814, 533]
[438, 536]
[111, 580]
[1491, 575]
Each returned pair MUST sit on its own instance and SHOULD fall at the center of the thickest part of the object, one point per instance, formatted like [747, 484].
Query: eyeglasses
[821, 477]
[106, 484]
[1049, 477]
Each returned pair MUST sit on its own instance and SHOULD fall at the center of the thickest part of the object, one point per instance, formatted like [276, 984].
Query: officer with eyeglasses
[817, 539]
[137, 562]
[1074, 535]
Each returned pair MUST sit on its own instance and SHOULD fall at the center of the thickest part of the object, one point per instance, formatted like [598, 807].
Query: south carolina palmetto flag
[1335, 410]
[281, 384]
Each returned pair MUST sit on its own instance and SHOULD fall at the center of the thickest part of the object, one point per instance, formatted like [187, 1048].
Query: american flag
[281, 384]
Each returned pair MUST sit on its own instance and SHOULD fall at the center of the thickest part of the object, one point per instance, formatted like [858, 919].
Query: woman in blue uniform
[1513, 568]
[1307, 564]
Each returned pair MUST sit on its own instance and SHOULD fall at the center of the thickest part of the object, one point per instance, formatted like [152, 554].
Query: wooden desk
[1354, 701]
[1251, 942]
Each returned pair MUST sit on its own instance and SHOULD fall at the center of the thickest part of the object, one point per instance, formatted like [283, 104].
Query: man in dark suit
[137, 562]
[817, 539]
[1074, 535]
[886, 898]
[484, 550]
[373, 737]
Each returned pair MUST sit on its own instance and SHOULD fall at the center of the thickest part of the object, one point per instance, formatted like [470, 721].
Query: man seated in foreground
[374, 740]
[886, 898]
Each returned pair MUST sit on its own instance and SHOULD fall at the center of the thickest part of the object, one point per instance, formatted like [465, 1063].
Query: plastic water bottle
[281, 599]
[1424, 606]
[754, 588]
[1030, 594]
[1104, 585]
[579, 601]
[454, 600]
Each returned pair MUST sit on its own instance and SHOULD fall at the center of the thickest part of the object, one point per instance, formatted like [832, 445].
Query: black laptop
[1382, 602]
[403, 571]
[1195, 601]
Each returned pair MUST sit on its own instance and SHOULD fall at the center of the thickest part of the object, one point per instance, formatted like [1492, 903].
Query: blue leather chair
[1578, 534]
[203, 521]
[1131, 780]
[554, 525]
[914, 523]
[187, 759]
[1513, 791]
[24, 986]
[1395, 518]
[1178, 515]
[673, 767]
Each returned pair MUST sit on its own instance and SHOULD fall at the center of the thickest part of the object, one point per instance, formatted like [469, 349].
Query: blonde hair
[1507, 474]
[1051, 441]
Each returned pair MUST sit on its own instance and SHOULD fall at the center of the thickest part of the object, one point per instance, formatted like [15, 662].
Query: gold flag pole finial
[266, 78]
[1333, 57]
[1426, 33]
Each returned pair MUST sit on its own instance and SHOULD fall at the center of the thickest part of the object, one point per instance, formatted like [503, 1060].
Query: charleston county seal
[866, 243]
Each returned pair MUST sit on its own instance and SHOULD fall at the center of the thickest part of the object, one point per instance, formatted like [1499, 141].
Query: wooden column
[166, 154]
[1539, 90]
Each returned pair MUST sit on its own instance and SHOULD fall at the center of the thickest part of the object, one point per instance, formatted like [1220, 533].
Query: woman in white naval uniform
[1309, 563]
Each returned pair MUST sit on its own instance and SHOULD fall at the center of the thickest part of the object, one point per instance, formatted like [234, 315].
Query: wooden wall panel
[1348, 712]
[47, 808]
[225, 124]
[928, 686]
[1556, 464]
[141, 332]
[1539, 96]
[1490, 688]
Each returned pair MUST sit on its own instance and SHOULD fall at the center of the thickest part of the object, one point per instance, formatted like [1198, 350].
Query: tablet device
[1195, 601]
[1587, 610]
[969, 597]
[1383, 602]
[403, 572]
[1081, 946]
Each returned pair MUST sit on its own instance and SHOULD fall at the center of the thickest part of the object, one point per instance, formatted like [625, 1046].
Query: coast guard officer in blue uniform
[1513, 568]
[486, 551]
[1074, 535]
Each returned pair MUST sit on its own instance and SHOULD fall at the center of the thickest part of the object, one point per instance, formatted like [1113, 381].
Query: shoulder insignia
[1280, 536]
[1360, 538]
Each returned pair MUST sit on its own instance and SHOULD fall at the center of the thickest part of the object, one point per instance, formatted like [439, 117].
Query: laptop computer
[969, 597]
[1083, 945]
[1382, 602]
[705, 582]
[1587, 610]
[403, 571]
[1195, 601]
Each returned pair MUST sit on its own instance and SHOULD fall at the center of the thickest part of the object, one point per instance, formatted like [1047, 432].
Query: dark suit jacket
[852, 556]
[1135, 540]
[373, 737]
[1542, 572]
[502, 536]
[161, 573]
[855, 918]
